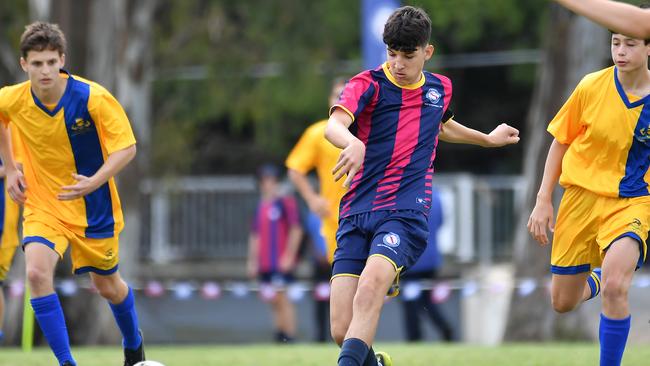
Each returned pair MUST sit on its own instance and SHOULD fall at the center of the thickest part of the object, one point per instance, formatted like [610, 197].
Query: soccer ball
[148, 363]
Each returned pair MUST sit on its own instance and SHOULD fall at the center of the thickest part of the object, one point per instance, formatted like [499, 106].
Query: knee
[562, 304]
[614, 288]
[38, 278]
[368, 295]
[110, 290]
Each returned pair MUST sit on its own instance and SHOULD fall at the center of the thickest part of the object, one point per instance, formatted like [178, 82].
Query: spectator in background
[314, 152]
[273, 245]
[415, 299]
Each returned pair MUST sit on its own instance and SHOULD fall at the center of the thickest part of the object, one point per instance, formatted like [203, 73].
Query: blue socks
[127, 321]
[594, 282]
[49, 315]
[613, 336]
[353, 352]
[2, 336]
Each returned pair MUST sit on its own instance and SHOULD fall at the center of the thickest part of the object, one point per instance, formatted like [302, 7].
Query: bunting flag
[441, 291]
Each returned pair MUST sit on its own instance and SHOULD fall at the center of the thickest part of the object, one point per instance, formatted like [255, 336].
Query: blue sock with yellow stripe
[613, 336]
[594, 282]
[49, 316]
[127, 320]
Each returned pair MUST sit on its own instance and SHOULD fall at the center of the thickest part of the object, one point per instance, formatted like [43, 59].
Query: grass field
[546, 354]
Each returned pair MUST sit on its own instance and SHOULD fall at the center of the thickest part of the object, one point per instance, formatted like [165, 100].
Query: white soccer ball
[148, 363]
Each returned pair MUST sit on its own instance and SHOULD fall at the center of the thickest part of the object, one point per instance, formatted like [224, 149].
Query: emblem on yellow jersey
[80, 126]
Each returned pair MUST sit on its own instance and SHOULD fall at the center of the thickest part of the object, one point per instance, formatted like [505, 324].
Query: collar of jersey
[392, 79]
[623, 95]
[61, 102]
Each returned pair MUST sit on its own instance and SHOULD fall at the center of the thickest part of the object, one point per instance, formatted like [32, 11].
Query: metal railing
[195, 218]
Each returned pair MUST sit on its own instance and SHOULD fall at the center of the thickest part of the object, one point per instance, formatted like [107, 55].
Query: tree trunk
[574, 47]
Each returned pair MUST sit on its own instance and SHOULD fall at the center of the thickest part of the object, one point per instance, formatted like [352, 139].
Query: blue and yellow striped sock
[594, 282]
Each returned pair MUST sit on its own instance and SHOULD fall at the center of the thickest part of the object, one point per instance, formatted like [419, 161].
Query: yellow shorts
[587, 224]
[9, 240]
[88, 255]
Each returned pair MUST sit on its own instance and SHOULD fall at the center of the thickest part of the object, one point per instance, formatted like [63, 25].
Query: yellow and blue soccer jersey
[313, 151]
[609, 136]
[75, 136]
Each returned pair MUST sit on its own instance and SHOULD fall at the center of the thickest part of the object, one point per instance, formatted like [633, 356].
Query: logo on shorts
[392, 240]
[636, 225]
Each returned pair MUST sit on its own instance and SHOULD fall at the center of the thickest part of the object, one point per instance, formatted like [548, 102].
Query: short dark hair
[407, 29]
[39, 36]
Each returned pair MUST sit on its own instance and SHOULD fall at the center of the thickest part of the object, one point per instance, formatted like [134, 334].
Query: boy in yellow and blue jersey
[75, 137]
[601, 155]
[9, 215]
[314, 152]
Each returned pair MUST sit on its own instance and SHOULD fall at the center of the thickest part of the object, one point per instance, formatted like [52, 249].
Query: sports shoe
[131, 357]
[67, 363]
[383, 359]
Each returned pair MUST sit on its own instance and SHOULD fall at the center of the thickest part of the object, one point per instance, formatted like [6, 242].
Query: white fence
[198, 218]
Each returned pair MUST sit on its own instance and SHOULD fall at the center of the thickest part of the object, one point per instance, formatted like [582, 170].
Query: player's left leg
[122, 302]
[368, 301]
[618, 268]
[285, 318]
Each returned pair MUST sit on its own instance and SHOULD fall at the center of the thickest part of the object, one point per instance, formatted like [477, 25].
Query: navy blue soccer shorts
[400, 236]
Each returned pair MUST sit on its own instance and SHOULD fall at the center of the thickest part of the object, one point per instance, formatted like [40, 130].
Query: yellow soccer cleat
[383, 359]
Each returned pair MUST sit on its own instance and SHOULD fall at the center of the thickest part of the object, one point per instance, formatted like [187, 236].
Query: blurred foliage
[13, 17]
[238, 81]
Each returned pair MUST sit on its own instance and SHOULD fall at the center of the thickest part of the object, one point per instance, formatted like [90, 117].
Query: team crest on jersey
[80, 126]
[392, 240]
[643, 135]
[433, 96]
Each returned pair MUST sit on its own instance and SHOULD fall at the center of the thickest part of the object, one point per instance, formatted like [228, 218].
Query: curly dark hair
[407, 29]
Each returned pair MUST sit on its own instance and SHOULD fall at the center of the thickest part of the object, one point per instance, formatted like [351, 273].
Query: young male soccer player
[75, 137]
[601, 154]
[9, 214]
[314, 152]
[617, 16]
[273, 247]
[395, 115]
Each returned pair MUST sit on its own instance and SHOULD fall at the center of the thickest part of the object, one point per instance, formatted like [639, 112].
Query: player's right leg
[575, 249]
[40, 262]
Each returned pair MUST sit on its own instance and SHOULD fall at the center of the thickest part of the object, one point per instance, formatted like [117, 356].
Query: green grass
[542, 354]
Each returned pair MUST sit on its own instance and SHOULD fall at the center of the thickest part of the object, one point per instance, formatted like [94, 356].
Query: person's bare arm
[617, 16]
[86, 185]
[354, 150]
[317, 203]
[542, 216]
[455, 132]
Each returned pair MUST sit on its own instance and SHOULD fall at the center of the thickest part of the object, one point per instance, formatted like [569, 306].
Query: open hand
[349, 162]
[83, 187]
[541, 218]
